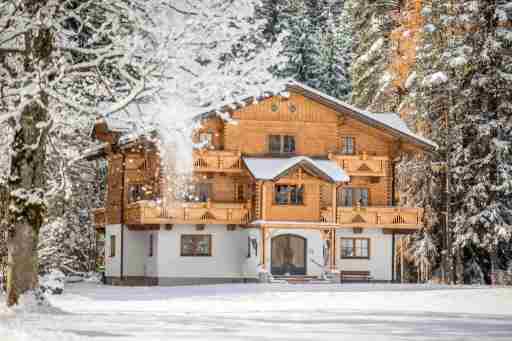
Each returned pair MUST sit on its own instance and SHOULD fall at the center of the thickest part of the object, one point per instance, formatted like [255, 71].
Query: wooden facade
[309, 125]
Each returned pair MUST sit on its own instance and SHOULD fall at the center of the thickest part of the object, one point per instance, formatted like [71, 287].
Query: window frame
[352, 191]
[284, 143]
[112, 245]
[131, 196]
[290, 195]
[344, 145]
[209, 238]
[151, 245]
[355, 248]
[209, 139]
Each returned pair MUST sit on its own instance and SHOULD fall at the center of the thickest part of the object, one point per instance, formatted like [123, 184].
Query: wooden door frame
[305, 250]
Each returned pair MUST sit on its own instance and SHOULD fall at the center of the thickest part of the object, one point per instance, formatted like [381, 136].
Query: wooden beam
[334, 204]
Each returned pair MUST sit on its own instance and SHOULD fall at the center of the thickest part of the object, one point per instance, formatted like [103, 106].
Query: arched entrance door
[288, 255]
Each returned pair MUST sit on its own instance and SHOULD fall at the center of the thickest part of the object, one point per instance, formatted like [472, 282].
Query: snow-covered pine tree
[423, 181]
[483, 158]
[321, 12]
[301, 50]
[371, 21]
[273, 14]
[335, 57]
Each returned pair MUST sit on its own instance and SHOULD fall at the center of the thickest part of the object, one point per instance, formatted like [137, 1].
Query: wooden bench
[358, 276]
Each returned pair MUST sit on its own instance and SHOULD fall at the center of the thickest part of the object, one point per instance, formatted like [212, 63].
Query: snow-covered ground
[266, 312]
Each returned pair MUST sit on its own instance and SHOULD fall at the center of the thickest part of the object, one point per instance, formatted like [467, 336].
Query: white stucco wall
[112, 264]
[251, 264]
[229, 253]
[151, 263]
[136, 251]
[379, 263]
[314, 249]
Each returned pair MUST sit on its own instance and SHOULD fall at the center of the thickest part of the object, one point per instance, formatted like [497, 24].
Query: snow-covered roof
[272, 168]
[93, 152]
[389, 121]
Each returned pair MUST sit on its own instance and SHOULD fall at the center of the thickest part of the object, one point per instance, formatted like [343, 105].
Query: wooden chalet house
[301, 184]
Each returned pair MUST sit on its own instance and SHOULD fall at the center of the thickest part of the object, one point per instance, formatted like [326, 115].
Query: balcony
[150, 213]
[99, 218]
[382, 217]
[362, 165]
[217, 161]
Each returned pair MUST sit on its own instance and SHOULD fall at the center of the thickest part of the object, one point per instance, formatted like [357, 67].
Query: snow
[377, 45]
[268, 169]
[435, 79]
[266, 312]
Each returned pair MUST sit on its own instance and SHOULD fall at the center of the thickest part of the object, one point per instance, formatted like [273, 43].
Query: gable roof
[390, 122]
[273, 168]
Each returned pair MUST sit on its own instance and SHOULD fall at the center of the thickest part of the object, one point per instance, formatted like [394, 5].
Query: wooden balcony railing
[150, 213]
[217, 161]
[362, 165]
[384, 217]
[99, 218]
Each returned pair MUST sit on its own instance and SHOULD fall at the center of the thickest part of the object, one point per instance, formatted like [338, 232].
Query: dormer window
[281, 144]
[348, 145]
[289, 195]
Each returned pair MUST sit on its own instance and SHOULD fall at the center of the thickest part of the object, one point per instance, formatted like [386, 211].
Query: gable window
[289, 195]
[281, 144]
[151, 250]
[355, 248]
[196, 245]
[135, 192]
[348, 145]
[112, 246]
[353, 196]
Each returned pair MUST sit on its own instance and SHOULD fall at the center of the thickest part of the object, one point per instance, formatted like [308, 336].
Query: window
[206, 139]
[289, 195]
[355, 248]
[281, 144]
[112, 246]
[239, 192]
[203, 192]
[353, 196]
[200, 192]
[151, 245]
[196, 245]
[135, 192]
[347, 147]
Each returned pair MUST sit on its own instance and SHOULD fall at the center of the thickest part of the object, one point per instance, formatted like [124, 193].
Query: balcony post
[332, 242]
[334, 208]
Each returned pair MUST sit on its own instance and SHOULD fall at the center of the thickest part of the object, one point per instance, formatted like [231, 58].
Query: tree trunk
[22, 263]
[27, 208]
[26, 181]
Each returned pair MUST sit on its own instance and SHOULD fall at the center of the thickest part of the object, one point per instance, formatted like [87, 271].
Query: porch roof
[273, 168]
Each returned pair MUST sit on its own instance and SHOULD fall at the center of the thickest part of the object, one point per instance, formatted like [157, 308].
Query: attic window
[281, 144]
[348, 145]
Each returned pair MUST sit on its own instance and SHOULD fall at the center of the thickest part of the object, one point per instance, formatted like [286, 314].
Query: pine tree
[272, 13]
[483, 158]
[300, 47]
[371, 25]
[334, 60]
